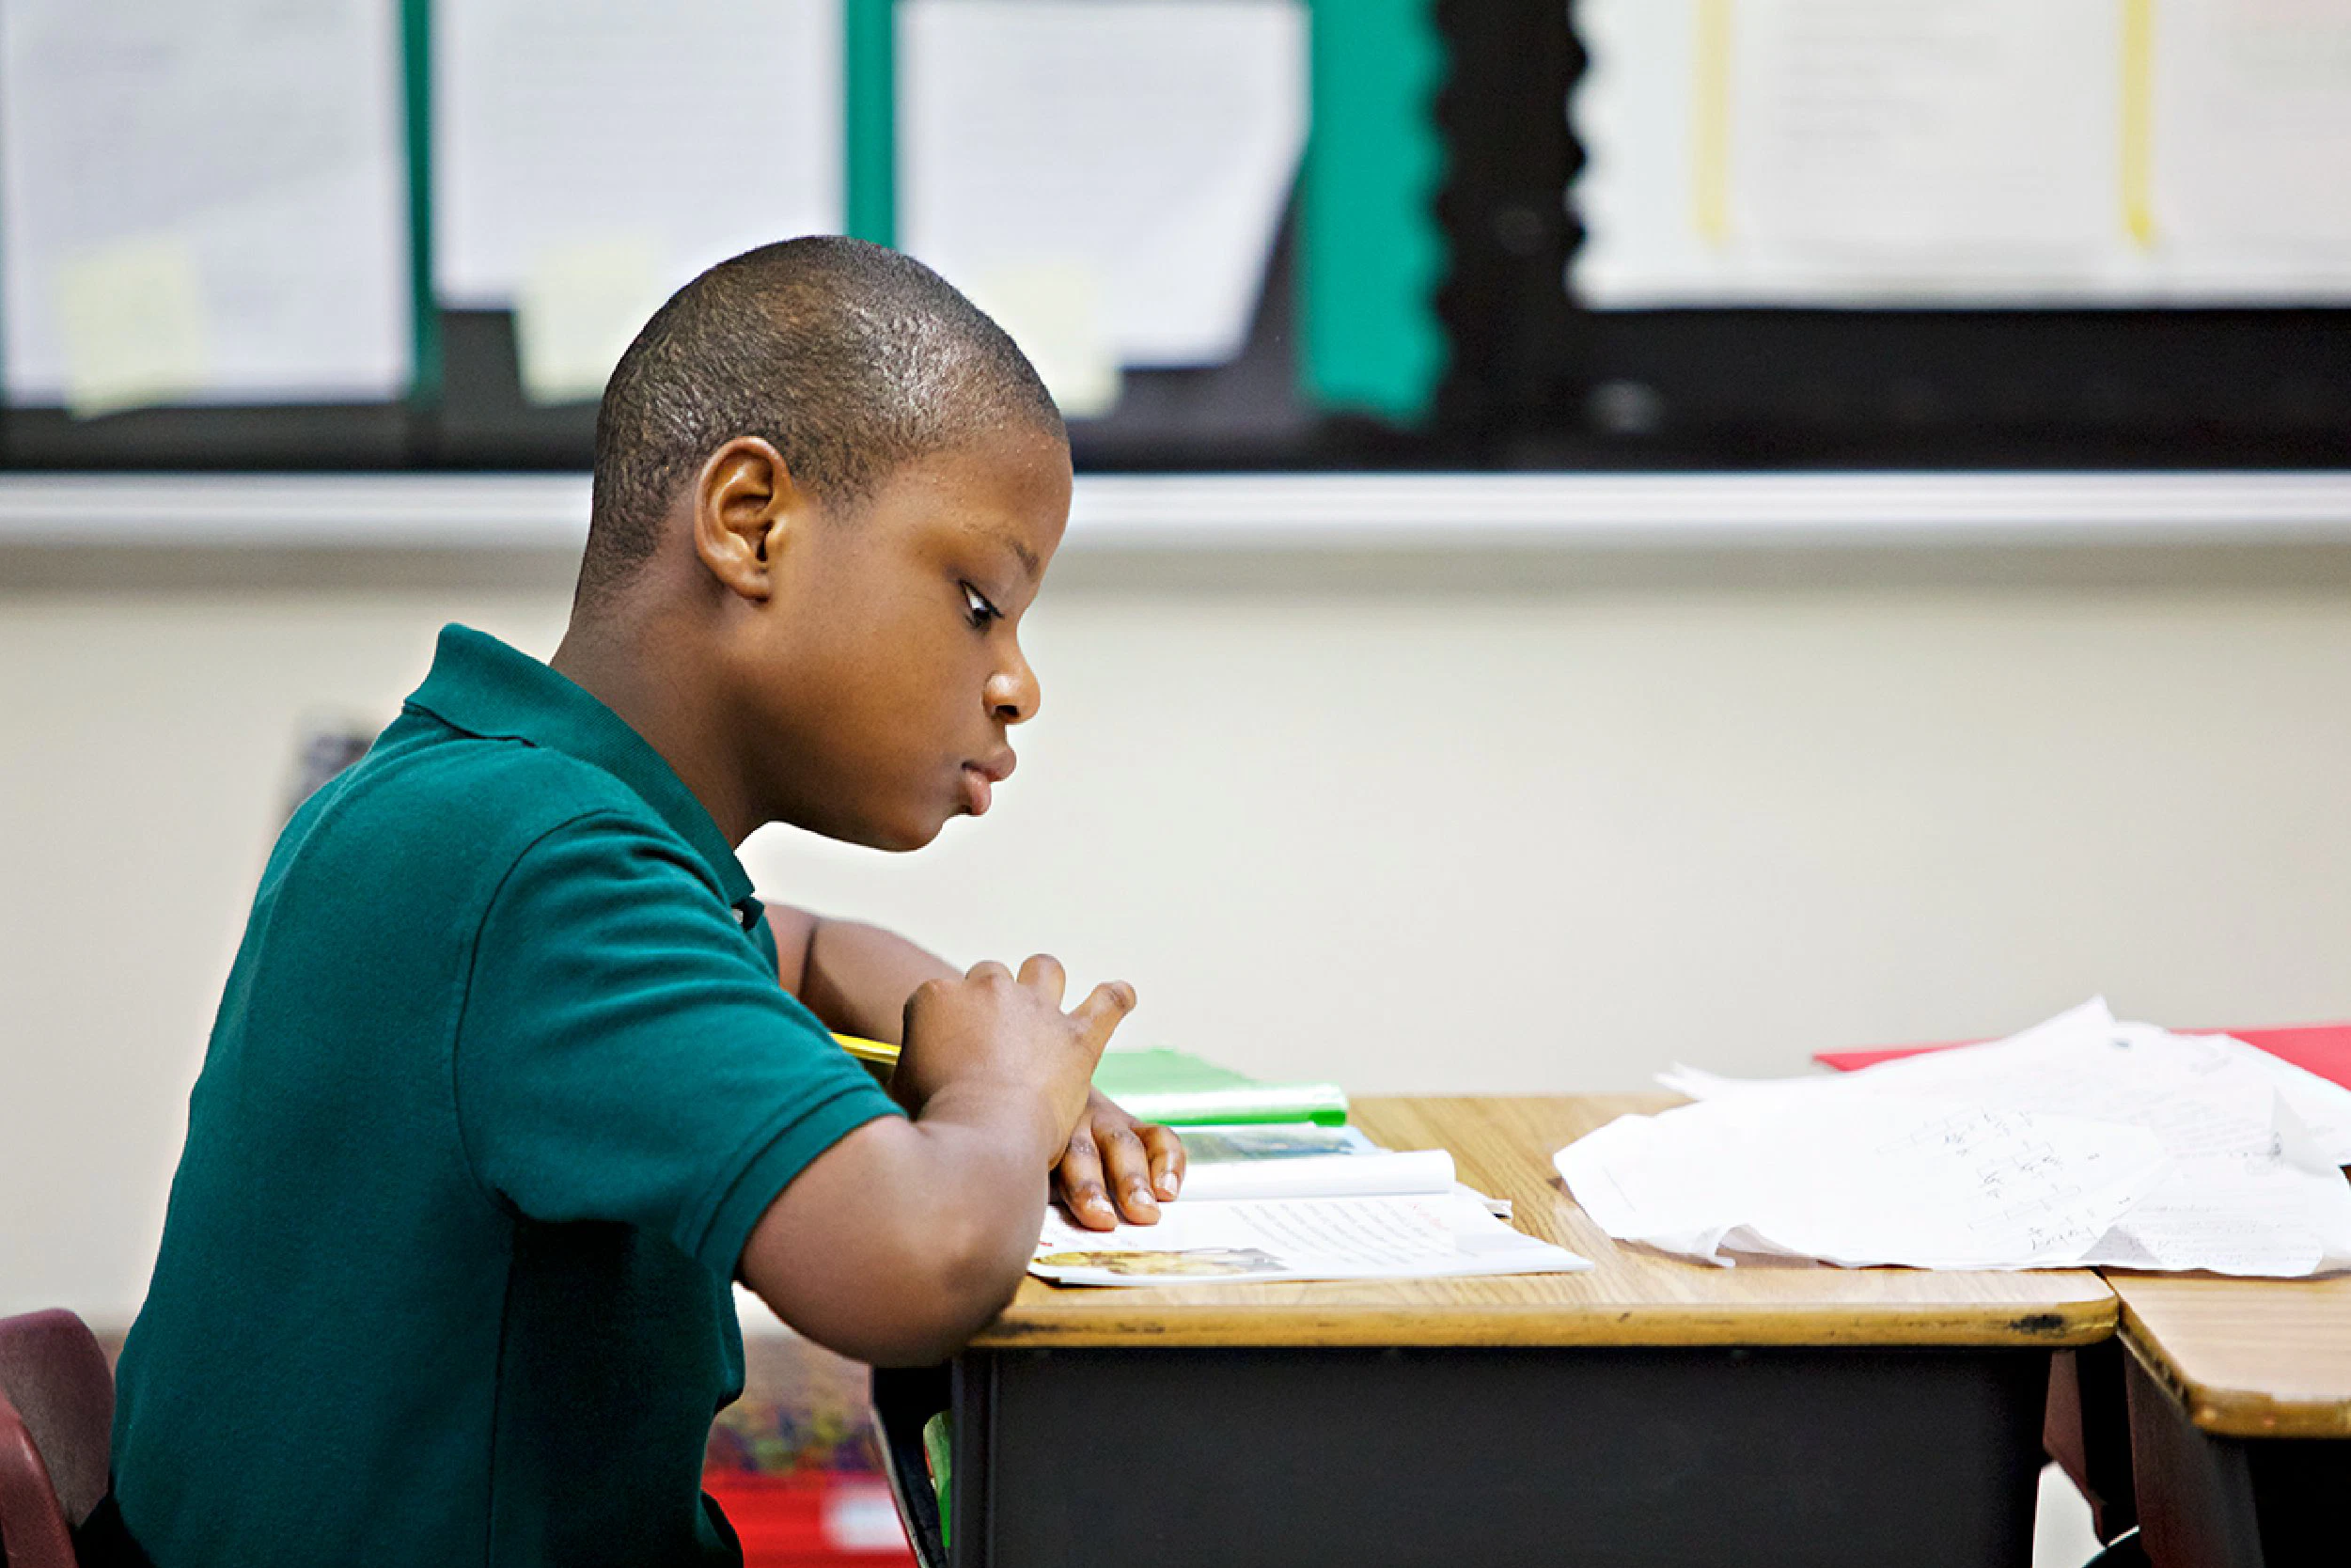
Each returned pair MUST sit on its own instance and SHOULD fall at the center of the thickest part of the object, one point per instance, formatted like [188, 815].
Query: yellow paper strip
[2138, 123]
[1710, 122]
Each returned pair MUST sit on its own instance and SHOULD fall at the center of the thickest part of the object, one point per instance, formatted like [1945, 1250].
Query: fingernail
[1171, 1183]
[1141, 1197]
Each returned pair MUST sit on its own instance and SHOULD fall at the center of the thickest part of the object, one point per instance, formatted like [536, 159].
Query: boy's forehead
[1013, 500]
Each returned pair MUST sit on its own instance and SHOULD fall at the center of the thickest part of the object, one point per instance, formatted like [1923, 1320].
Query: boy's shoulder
[427, 793]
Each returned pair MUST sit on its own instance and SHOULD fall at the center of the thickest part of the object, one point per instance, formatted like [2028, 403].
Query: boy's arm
[900, 1241]
[856, 980]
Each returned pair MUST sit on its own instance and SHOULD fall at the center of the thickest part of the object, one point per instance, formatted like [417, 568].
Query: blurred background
[1610, 533]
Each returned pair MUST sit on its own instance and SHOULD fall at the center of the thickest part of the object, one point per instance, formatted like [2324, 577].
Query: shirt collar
[480, 685]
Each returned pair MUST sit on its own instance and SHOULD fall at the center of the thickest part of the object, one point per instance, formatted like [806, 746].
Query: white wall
[1536, 839]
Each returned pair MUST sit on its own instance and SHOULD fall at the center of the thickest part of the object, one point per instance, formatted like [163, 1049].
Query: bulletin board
[1435, 279]
[2095, 358]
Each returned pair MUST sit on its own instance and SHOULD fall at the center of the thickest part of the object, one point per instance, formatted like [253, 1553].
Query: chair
[57, 1419]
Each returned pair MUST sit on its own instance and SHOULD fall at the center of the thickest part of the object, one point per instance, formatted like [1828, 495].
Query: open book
[1363, 1214]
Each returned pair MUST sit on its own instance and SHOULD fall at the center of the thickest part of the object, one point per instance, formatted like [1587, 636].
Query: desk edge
[2056, 1325]
[2229, 1412]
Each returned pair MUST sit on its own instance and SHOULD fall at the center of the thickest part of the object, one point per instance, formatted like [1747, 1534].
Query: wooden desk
[1650, 1411]
[2238, 1394]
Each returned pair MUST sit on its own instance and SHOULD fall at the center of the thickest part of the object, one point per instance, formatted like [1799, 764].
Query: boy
[504, 1092]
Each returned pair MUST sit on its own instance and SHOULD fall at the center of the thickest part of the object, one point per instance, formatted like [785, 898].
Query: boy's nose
[1013, 694]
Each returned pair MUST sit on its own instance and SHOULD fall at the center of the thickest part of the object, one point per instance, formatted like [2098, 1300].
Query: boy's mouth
[980, 780]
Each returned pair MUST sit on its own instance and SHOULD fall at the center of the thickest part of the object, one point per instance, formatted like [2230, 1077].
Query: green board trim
[869, 120]
[1371, 253]
[417, 79]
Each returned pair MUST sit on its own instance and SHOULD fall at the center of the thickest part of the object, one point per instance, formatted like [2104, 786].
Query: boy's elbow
[883, 1254]
[902, 1293]
[960, 1274]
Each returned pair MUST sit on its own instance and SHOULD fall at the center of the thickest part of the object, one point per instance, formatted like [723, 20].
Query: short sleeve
[628, 1054]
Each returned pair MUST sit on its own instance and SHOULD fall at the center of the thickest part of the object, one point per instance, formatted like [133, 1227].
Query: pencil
[867, 1050]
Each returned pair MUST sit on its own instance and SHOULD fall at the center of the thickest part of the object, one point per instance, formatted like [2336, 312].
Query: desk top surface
[2246, 1358]
[1631, 1296]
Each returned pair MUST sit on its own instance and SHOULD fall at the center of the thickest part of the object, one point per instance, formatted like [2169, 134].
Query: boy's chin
[911, 830]
[899, 838]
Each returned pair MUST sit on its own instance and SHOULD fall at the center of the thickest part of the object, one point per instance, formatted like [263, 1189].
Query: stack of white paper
[1376, 1216]
[2082, 1140]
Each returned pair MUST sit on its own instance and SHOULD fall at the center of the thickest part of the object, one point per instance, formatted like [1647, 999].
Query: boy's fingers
[1079, 1179]
[1126, 1169]
[1044, 971]
[1166, 1157]
[987, 968]
[1103, 1008]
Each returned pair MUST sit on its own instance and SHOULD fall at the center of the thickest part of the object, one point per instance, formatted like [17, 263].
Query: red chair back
[56, 1419]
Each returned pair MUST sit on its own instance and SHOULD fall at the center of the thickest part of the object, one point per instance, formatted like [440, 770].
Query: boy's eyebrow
[989, 531]
[1027, 557]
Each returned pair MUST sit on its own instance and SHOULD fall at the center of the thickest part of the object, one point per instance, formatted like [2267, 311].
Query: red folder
[2321, 1048]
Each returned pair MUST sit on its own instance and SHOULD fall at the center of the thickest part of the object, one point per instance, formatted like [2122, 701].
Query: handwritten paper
[2081, 1140]
[1855, 1180]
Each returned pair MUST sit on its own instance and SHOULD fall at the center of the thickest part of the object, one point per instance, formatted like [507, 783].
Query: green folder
[1185, 1092]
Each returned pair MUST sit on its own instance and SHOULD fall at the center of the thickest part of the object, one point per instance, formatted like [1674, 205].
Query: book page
[1296, 1238]
[1419, 1173]
[1271, 1141]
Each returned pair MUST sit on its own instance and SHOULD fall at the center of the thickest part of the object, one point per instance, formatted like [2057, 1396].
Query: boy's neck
[625, 669]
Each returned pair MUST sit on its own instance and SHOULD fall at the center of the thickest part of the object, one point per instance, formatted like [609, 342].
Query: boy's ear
[746, 504]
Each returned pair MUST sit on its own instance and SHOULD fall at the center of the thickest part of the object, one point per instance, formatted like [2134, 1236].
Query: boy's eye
[976, 604]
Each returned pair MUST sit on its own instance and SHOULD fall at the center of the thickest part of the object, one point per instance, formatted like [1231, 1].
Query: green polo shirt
[501, 1082]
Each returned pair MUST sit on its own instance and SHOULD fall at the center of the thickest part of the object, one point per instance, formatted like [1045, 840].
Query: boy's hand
[994, 1034]
[1111, 1151]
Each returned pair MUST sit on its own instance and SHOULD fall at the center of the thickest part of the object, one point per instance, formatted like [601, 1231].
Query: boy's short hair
[850, 358]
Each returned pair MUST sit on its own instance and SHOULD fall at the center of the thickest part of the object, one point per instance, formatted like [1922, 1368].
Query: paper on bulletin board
[1056, 311]
[135, 327]
[568, 138]
[2250, 127]
[576, 309]
[2004, 153]
[202, 202]
[1146, 147]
